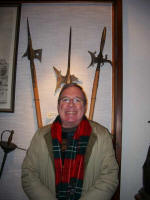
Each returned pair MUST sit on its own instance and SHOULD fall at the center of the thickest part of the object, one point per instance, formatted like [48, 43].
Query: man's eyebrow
[64, 97]
[71, 97]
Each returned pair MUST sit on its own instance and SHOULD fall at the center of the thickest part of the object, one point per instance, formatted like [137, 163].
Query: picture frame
[9, 33]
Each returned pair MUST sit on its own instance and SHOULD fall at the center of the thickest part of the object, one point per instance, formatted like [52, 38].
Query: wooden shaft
[31, 55]
[37, 100]
[94, 92]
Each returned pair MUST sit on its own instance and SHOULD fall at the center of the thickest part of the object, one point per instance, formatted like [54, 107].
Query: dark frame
[8, 61]
[117, 72]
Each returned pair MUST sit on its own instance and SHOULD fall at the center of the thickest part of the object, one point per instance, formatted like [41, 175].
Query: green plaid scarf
[69, 177]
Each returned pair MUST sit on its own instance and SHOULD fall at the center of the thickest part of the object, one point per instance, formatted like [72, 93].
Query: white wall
[49, 27]
[136, 94]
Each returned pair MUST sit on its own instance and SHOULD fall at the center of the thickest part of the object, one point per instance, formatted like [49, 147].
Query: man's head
[72, 104]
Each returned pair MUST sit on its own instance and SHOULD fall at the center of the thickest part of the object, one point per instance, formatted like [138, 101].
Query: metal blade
[69, 50]
[103, 40]
[3, 163]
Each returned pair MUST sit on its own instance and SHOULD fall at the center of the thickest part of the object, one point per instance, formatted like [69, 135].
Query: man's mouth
[70, 112]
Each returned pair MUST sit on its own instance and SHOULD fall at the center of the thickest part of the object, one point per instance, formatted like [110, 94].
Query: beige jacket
[101, 168]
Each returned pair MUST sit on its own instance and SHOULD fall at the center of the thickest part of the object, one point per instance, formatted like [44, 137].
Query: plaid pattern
[69, 177]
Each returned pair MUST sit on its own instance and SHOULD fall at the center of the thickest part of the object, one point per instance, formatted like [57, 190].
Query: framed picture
[9, 20]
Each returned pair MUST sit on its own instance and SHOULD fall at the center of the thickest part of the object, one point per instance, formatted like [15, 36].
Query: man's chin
[70, 123]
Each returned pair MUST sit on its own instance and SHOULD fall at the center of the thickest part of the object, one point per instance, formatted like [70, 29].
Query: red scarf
[69, 177]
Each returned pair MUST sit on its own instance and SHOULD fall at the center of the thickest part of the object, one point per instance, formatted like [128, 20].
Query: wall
[136, 94]
[49, 27]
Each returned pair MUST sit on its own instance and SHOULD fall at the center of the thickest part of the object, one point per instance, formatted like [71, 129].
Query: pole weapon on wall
[32, 54]
[68, 78]
[99, 60]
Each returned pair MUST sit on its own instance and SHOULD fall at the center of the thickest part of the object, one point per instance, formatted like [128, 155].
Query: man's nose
[71, 102]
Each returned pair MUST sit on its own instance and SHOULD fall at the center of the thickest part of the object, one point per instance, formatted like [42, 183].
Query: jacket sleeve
[106, 181]
[32, 186]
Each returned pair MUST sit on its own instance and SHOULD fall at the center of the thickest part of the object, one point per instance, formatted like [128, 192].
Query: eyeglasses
[75, 100]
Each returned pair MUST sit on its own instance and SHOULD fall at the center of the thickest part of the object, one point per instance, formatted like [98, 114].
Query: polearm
[68, 78]
[32, 54]
[100, 60]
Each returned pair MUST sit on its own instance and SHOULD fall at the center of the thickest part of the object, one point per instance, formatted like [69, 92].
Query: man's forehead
[74, 91]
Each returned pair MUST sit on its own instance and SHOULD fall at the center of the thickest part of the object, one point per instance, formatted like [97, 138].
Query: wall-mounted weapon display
[7, 147]
[68, 78]
[99, 60]
[34, 54]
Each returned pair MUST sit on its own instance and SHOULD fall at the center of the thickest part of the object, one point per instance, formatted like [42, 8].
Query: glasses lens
[65, 100]
[77, 100]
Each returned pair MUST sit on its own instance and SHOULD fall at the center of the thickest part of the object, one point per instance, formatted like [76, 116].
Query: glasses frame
[75, 100]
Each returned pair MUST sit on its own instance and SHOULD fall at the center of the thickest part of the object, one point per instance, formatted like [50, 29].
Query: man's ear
[58, 107]
[86, 108]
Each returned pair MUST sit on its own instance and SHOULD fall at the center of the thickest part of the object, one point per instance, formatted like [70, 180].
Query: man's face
[71, 107]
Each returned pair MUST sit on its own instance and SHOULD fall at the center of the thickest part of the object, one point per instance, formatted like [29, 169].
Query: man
[73, 158]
